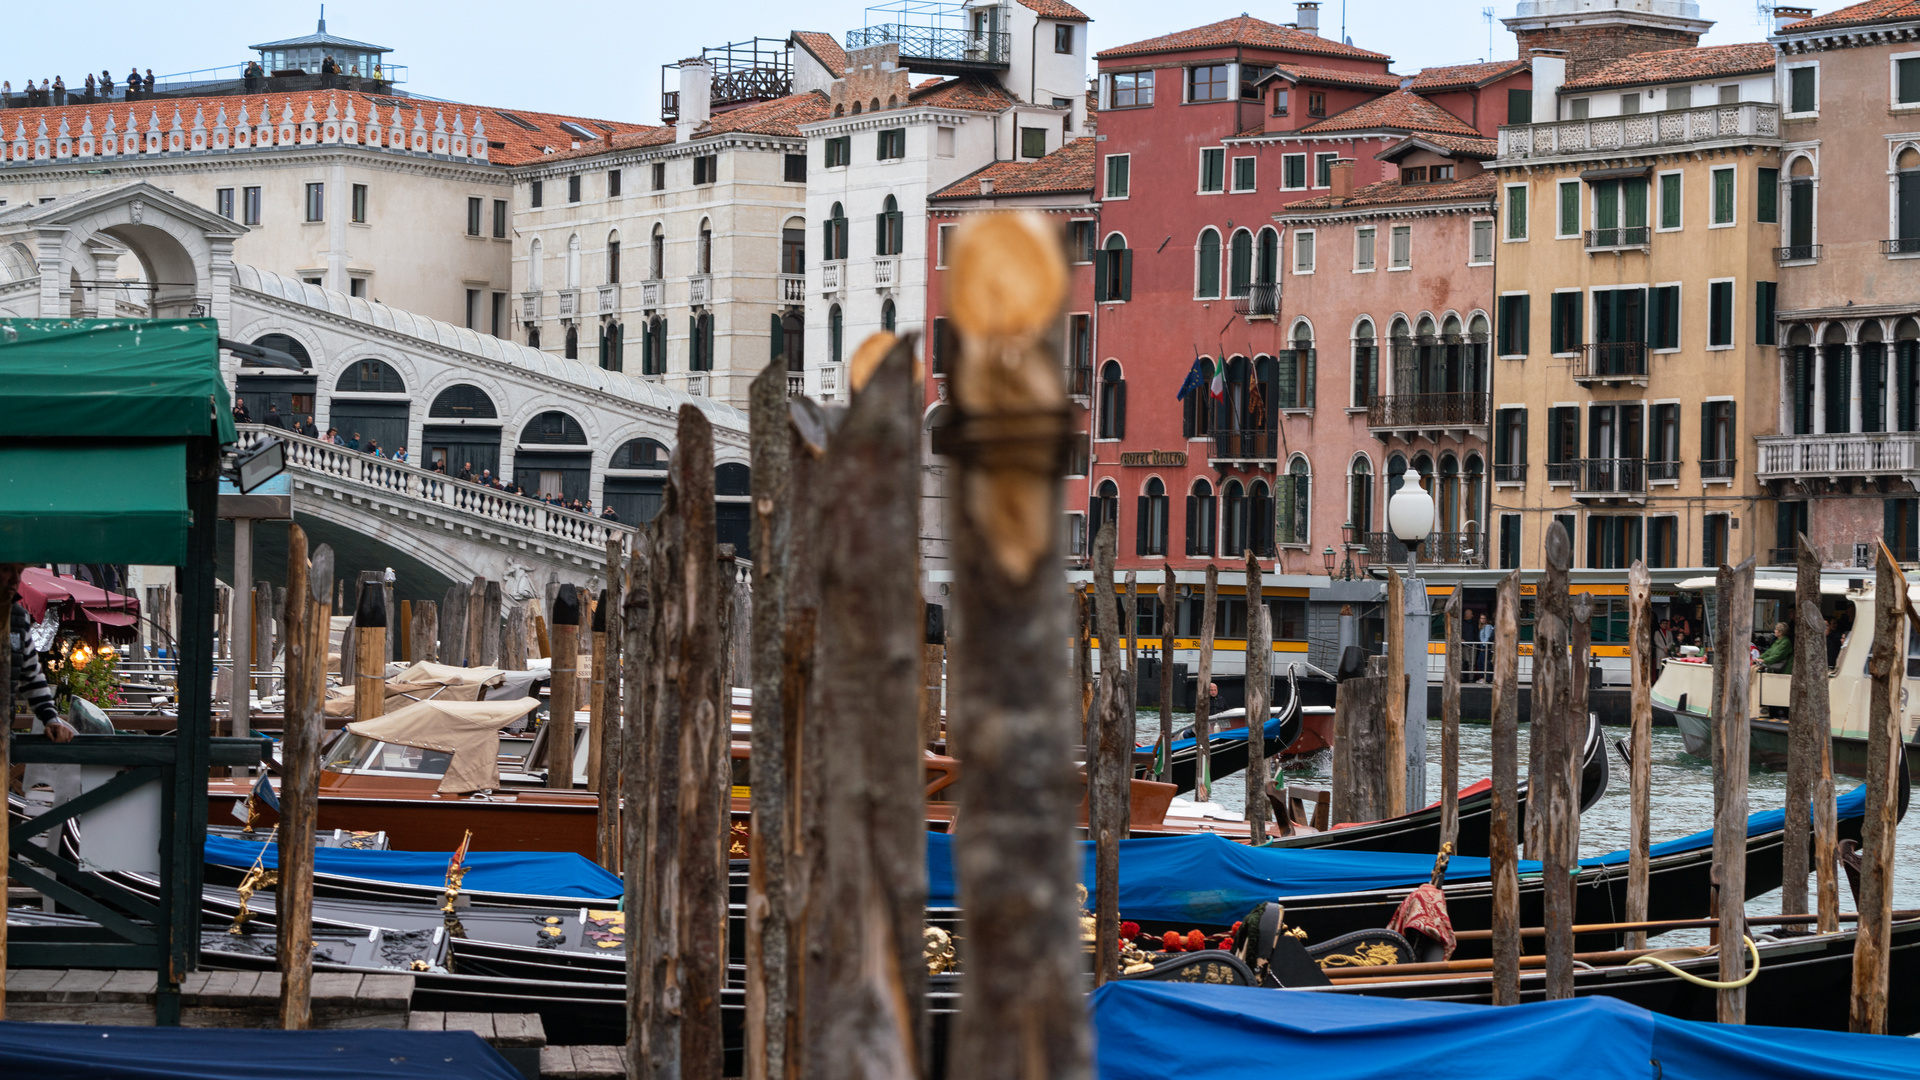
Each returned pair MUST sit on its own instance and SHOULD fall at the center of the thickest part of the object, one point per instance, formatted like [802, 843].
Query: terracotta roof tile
[1243, 30]
[1058, 10]
[1858, 15]
[1401, 110]
[521, 136]
[1434, 80]
[1679, 65]
[1065, 171]
[1364, 80]
[824, 49]
[966, 92]
[781, 116]
[1394, 193]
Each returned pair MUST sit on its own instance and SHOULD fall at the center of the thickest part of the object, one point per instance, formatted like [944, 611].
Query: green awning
[73, 501]
[112, 379]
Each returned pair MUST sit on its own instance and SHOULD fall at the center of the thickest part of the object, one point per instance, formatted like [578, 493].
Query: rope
[1711, 984]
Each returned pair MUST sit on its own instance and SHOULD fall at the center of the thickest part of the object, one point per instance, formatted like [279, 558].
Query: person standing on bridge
[307, 428]
[240, 411]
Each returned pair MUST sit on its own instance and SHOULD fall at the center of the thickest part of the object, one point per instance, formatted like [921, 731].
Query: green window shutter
[1802, 358]
[1522, 459]
[1670, 201]
[1126, 274]
[1283, 507]
[1720, 313]
[1209, 276]
[1766, 296]
[1519, 106]
[1556, 333]
[1606, 204]
[1373, 372]
[777, 339]
[1570, 209]
[1633, 204]
[1313, 363]
[1909, 80]
[1502, 439]
[1287, 379]
[1516, 213]
[1903, 384]
[1524, 319]
[1767, 196]
[1100, 277]
[1722, 196]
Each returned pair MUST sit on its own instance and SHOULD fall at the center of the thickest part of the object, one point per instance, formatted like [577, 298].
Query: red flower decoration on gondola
[1129, 931]
[1171, 941]
[1196, 941]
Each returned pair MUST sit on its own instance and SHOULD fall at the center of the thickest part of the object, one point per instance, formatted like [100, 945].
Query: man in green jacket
[1779, 656]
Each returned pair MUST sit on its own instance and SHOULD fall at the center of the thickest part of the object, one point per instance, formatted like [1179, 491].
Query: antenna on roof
[1487, 14]
[323, 18]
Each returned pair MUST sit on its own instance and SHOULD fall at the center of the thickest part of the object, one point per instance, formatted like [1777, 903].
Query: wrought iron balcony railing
[1610, 477]
[1612, 361]
[1427, 411]
[1510, 474]
[1663, 470]
[1458, 548]
[1632, 236]
[950, 43]
[1243, 444]
[1261, 302]
[1797, 253]
[1904, 245]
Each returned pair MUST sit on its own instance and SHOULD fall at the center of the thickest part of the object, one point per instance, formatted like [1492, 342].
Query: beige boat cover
[448, 675]
[340, 698]
[469, 730]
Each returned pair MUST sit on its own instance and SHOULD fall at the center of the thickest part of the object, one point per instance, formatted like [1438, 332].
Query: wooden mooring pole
[1549, 792]
[636, 788]
[1259, 680]
[1106, 783]
[1731, 718]
[1450, 725]
[1811, 815]
[1164, 770]
[1395, 720]
[1202, 699]
[609, 725]
[1887, 666]
[563, 689]
[1504, 842]
[308, 614]
[1639, 744]
[370, 652]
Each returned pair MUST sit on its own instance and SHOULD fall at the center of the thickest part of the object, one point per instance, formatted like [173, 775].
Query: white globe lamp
[1410, 511]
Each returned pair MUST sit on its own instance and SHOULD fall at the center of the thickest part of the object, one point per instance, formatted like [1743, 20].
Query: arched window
[1360, 497]
[1151, 520]
[1206, 279]
[835, 328]
[1472, 488]
[1240, 264]
[1103, 510]
[833, 234]
[790, 339]
[1113, 402]
[1797, 232]
[536, 273]
[890, 229]
[653, 347]
[1266, 268]
[1366, 366]
[732, 479]
[1263, 404]
[611, 339]
[1396, 472]
[1293, 495]
[553, 428]
[462, 402]
[1297, 370]
[1233, 534]
[1452, 360]
[573, 263]
[1448, 519]
[644, 454]
[700, 348]
[657, 255]
[284, 343]
[573, 343]
[886, 314]
[613, 257]
[370, 377]
[1400, 344]
[1202, 518]
[703, 250]
[1230, 420]
[1479, 339]
[1423, 465]
[1113, 274]
[1260, 519]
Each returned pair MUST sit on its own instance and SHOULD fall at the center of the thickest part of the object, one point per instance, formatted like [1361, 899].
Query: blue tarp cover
[534, 873]
[1206, 878]
[1140, 1027]
[1229, 735]
[87, 1052]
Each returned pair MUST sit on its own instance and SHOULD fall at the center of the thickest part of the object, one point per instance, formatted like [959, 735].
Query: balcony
[1805, 457]
[829, 381]
[1612, 363]
[796, 384]
[1624, 239]
[1261, 302]
[1441, 548]
[1609, 478]
[1510, 473]
[937, 50]
[609, 298]
[1745, 121]
[1905, 245]
[886, 271]
[697, 384]
[1797, 253]
[569, 303]
[833, 278]
[793, 289]
[1663, 472]
[1243, 444]
[530, 307]
[700, 290]
[1080, 381]
[1426, 412]
[650, 295]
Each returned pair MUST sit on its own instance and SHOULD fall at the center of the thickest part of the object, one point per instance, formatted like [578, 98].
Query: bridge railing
[393, 478]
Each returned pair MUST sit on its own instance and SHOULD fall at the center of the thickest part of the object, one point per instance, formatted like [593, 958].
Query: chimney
[1784, 17]
[986, 185]
[1340, 178]
[1549, 75]
[1307, 16]
[696, 97]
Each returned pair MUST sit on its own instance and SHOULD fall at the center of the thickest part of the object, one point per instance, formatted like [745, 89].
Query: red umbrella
[40, 587]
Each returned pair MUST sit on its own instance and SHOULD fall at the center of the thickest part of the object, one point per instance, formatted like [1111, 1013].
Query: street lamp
[1410, 515]
[1354, 563]
[1326, 557]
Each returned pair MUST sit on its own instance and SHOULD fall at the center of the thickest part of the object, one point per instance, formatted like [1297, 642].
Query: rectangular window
[223, 203]
[1680, 97]
[1766, 302]
[1720, 315]
[1515, 315]
[1577, 108]
[1208, 83]
[1400, 250]
[1280, 102]
[660, 176]
[1033, 143]
[942, 236]
[613, 182]
[1803, 89]
[1510, 445]
[1906, 81]
[1363, 248]
[1716, 440]
[498, 320]
[1413, 174]
[1723, 196]
[1132, 90]
[536, 194]
[1482, 250]
[1293, 171]
[795, 171]
[1303, 253]
[1663, 551]
[1063, 37]
[839, 151]
[1713, 539]
[316, 202]
[357, 286]
[943, 142]
[1730, 94]
[1250, 76]
[1323, 169]
[573, 188]
[1669, 201]
[1568, 223]
[1516, 212]
[1630, 103]
[473, 309]
[1519, 106]
[706, 170]
[1316, 103]
[1243, 174]
[500, 219]
[613, 262]
[1213, 170]
[1565, 333]
[1117, 175]
[1663, 317]
[473, 216]
[1080, 240]
[1767, 196]
[1510, 523]
[250, 206]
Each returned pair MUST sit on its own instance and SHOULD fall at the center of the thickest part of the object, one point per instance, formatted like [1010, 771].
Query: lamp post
[1410, 515]
[1350, 565]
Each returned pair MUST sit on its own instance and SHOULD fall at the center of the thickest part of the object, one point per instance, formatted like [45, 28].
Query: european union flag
[1196, 379]
[264, 792]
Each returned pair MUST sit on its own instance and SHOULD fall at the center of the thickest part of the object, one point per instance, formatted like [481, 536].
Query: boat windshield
[357, 753]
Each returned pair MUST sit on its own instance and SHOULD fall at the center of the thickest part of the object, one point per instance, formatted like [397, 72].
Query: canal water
[1682, 799]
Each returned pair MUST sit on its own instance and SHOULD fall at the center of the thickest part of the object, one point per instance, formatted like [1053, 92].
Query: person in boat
[29, 677]
[1663, 643]
[1779, 656]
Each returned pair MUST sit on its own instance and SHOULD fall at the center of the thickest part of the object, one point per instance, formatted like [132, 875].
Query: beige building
[1634, 296]
[1844, 464]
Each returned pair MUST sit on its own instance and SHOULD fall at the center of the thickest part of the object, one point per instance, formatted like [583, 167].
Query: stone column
[1853, 388]
[1819, 377]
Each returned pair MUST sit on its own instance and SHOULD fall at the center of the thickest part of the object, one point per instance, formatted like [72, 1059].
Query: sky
[601, 58]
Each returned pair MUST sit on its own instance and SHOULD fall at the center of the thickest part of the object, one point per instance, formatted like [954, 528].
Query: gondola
[1227, 749]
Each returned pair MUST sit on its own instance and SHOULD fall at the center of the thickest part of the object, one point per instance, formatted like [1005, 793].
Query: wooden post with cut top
[1731, 717]
[1259, 682]
[1202, 700]
[1811, 814]
[1640, 745]
[564, 689]
[1106, 784]
[636, 788]
[1504, 839]
[1395, 721]
[1867, 1011]
[1083, 601]
[370, 652]
[453, 626]
[1450, 726]
[308, 613]
[1553, 801]
[609, 725]
[1164, 769]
